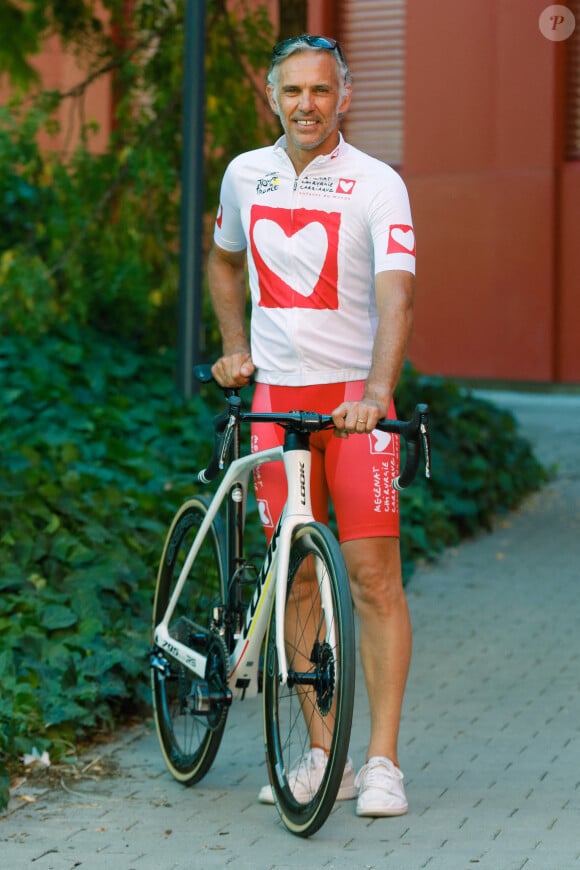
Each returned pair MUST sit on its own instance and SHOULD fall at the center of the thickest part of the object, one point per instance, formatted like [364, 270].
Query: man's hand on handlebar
[357, 417]
[234, 370]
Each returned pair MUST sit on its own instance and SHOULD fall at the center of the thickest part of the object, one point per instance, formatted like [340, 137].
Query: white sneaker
[381, 791]
[306, 777]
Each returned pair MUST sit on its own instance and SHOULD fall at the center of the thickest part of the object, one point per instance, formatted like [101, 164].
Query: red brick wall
[497, 214]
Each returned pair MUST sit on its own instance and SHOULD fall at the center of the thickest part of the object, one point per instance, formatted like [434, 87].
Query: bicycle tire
[189, 742]
[329, 702]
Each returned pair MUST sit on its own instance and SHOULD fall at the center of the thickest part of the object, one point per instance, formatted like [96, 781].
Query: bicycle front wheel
[189, 738]
[314, 707]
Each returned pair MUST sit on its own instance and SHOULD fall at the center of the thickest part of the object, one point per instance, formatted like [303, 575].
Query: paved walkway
[490, 735]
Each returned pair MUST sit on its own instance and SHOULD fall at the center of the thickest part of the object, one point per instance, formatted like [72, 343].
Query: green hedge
[97, 451]
[481, 466]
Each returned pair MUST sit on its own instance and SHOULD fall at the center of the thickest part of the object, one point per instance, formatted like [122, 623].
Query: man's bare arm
[227, 286]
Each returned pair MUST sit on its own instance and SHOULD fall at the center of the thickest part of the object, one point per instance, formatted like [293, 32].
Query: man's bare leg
[374, 567]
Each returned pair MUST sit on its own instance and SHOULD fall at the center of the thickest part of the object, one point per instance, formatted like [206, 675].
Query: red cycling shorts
[356, 473]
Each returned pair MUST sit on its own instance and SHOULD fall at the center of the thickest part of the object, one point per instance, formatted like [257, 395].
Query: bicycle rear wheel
[315, 706]
[189, 739]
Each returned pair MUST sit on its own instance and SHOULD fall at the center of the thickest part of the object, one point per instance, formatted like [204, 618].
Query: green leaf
[57, 616]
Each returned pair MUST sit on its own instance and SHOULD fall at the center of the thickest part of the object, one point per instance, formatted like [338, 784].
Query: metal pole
[191, 224]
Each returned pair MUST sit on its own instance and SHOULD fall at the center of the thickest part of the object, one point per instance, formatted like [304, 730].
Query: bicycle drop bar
[415, 432]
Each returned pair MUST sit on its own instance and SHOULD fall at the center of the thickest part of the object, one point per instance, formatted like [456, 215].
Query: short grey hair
[288, 47]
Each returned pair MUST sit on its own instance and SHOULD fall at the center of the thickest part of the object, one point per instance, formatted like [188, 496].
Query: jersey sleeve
[391, 225]
[228, 230]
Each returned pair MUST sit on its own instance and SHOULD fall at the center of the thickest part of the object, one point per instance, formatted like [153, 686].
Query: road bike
[226, 626]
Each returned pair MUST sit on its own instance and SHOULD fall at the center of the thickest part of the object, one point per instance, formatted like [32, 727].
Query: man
[327, 235]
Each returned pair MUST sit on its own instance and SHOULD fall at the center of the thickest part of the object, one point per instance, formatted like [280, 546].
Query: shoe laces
[379, 773]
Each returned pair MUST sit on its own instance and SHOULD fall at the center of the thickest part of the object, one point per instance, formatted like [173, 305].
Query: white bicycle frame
[271, 579]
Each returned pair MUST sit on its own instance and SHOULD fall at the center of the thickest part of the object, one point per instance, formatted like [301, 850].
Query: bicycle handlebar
[414, 431]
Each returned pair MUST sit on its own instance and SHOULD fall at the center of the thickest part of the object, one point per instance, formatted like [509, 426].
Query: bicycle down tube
[238, 472]
[244, 659]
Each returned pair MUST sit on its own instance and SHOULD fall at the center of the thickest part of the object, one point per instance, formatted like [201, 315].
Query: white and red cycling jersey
[314, 244]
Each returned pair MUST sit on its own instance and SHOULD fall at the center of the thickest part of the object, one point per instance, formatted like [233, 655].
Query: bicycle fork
[298, 511]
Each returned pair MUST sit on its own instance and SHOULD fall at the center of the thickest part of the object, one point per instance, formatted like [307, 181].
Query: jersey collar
[280, 148]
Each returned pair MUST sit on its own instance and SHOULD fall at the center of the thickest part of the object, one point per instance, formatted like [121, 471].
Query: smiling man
[326, 233]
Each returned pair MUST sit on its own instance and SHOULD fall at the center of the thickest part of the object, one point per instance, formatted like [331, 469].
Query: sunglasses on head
[326, 42]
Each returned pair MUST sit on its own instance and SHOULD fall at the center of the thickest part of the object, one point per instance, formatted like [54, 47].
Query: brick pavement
[490, 735]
